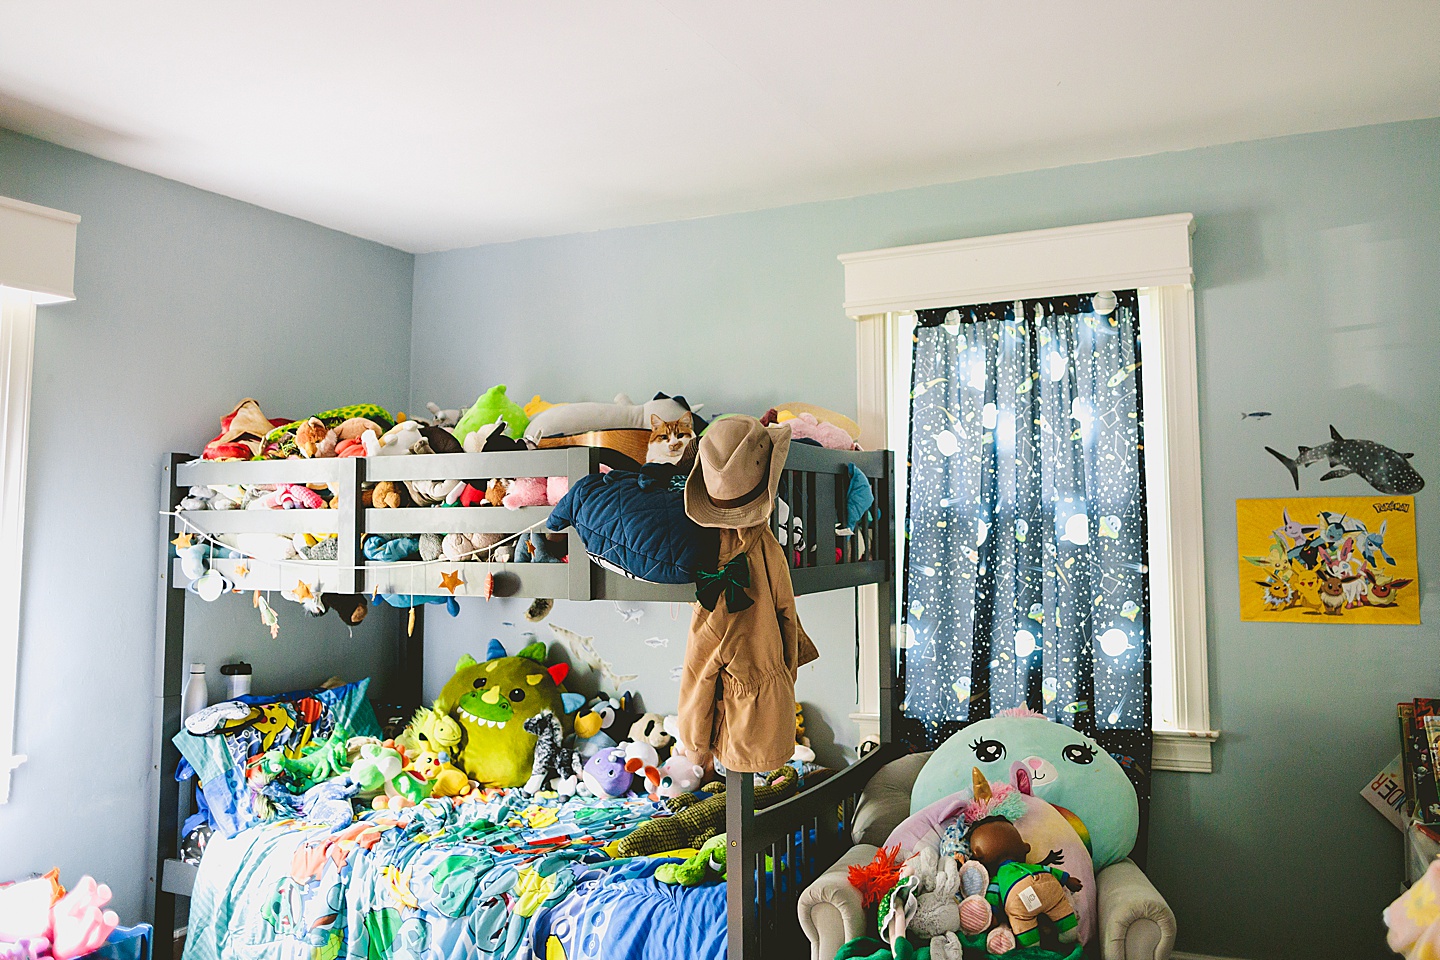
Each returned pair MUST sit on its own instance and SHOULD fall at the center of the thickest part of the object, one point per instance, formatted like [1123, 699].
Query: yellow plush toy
[536, 405]
[445, 779]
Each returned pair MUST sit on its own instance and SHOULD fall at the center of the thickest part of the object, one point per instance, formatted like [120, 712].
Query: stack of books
[1408, 789]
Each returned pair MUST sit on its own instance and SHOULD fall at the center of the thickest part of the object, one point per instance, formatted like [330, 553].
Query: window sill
[1183, 751]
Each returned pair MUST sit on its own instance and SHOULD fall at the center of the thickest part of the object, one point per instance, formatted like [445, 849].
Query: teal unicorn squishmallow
[1045, 759]
[492, 699]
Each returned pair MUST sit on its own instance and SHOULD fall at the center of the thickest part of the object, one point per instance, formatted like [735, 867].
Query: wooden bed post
[170, 669]
[743, 931]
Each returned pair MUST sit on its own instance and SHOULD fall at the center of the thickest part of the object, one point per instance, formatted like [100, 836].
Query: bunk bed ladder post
[581, 462]
[885, 605]
[742, 909]
[350, 474]
[170, 656]
[823, 516]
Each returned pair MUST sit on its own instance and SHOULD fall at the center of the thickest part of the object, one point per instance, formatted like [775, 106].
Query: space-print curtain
[1026, 562]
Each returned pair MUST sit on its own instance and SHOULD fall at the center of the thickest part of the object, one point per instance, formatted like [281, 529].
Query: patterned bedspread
[508, 876]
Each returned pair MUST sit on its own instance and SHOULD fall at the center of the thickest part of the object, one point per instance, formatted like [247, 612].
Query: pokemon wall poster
[1328, 560]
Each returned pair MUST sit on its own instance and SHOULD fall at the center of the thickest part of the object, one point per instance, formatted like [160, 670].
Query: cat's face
[669, 439]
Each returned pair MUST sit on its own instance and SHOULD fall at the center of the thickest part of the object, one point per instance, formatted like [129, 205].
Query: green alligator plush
[696, 821]
[317, 762]
[285, 435]
[493, 699]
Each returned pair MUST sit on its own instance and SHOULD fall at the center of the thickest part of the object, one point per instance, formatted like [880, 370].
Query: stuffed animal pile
[38, 918]
[1005, 858]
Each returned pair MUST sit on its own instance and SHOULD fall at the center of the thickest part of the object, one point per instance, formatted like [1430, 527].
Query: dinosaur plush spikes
[878, 877]
[495, 651]
[558, 672]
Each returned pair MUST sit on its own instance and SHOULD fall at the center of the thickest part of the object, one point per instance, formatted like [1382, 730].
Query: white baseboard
[1182, 955]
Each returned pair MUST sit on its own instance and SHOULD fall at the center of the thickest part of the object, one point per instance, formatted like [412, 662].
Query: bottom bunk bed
[504, 874]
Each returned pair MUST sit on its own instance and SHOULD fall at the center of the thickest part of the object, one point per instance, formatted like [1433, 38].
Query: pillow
[246, 727]
[1054, 762]
[573, 418]
[637, 522]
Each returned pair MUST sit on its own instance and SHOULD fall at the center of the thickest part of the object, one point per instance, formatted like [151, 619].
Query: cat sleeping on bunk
[672, 441]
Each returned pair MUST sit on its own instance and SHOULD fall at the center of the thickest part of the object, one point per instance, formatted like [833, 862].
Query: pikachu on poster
[1328, 560]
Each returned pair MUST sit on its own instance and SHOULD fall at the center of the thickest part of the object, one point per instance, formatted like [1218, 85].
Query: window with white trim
[37, 266]
[1152, 255]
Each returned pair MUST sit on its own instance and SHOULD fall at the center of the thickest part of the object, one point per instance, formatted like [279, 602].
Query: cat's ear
[687, 421]
[655, 422]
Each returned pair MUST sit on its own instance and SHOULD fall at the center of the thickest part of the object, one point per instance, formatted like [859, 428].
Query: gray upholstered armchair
[1135, 922]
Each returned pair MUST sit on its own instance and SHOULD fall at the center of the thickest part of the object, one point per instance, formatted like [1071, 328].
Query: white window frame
[1151, 255]
[37, 266]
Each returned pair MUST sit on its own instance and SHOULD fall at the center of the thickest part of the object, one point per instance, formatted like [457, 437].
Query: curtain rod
[1004, 310]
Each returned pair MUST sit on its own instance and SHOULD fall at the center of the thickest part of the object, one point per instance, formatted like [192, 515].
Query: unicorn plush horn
[982, 786]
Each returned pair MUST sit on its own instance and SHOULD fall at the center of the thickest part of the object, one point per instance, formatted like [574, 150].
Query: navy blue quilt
[637, 522]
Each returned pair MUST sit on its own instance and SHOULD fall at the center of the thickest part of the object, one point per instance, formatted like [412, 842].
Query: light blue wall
[186, 302]
[1318, 298]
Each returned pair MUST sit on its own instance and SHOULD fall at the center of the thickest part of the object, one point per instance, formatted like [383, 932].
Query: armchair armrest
[1135, 921]
[830, 911]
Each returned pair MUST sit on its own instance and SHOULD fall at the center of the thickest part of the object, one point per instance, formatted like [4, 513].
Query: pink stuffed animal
[674, 777]
[80, 921]
[292, 496]
[806, 427]
[536, 492]
[38, 914]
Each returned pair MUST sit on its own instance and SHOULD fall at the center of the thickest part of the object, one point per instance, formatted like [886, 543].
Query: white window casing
[1151, 255]
[37, 266]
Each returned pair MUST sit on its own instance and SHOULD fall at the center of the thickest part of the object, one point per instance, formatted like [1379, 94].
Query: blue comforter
[637, 522]
[509, 877]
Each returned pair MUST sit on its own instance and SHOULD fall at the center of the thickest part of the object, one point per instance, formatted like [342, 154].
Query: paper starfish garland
[450, 581]
[242, 568]
[183, 541]
[303, 591]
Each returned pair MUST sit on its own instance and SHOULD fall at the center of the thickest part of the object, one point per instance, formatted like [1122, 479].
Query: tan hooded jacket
[737, 692]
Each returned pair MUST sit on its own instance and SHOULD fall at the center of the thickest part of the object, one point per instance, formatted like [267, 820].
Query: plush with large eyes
[491, 700]
[1048, 760]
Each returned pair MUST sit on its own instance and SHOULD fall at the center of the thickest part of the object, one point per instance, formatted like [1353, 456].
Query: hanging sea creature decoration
[1376, 464]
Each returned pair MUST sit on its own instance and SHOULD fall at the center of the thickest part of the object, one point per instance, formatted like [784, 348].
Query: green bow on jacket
[733, 580]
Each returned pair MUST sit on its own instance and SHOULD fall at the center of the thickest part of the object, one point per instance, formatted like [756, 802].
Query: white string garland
[214, 541]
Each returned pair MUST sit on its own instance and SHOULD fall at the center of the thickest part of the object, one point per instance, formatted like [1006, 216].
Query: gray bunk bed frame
[802, 836]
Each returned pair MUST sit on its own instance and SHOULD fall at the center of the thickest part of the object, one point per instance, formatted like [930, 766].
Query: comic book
[1404, 715]
[1386, 793]
[1427, 794]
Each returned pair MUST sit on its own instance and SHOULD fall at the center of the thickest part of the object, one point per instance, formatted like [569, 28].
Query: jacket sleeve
[699, 693]
[798, 648]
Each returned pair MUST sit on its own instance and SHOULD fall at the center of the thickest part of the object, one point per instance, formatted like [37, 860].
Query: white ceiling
[436, 124]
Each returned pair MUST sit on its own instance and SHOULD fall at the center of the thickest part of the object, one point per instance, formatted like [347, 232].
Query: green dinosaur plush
[493, 405]
[493, 699]
[696, 821]
[318, 761]
[708, 864]
[431, 731]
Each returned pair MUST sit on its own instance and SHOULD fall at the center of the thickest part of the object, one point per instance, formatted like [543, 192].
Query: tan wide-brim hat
[736, 472]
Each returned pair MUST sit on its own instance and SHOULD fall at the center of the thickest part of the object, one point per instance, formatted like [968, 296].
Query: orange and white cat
[671, 441]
